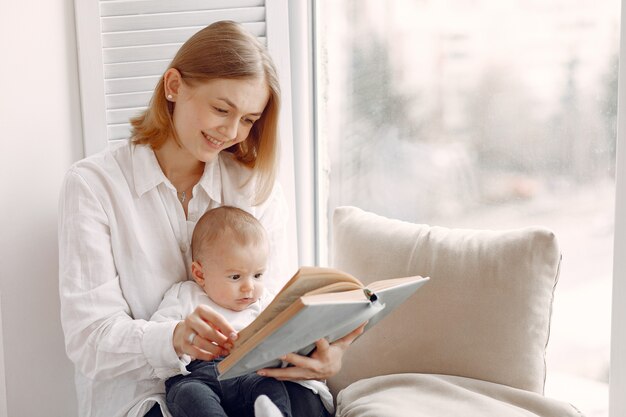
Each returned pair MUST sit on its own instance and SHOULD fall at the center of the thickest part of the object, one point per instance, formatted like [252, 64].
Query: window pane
[484, 114]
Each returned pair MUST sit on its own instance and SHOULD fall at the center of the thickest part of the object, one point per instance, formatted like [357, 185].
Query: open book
[317, 302]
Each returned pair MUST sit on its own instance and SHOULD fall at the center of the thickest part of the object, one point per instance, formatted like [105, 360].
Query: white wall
[40, 136]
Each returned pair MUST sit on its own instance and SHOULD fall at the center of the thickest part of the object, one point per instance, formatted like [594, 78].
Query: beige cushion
[419, 395]
[484, 314]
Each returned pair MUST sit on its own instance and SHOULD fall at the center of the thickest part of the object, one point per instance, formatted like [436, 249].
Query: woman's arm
[102, 338]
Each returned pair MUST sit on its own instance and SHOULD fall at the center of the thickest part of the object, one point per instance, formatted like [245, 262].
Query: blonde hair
[222, 50]
[217, 222]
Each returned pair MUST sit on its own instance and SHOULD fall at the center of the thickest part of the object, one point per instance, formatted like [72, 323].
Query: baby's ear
[196, 272]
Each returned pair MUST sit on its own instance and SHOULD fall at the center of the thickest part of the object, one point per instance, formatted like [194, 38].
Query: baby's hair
[215, 223]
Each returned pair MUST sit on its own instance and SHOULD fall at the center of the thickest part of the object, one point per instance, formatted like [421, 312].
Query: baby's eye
[220, 110]
[258, 276]
[234, 277]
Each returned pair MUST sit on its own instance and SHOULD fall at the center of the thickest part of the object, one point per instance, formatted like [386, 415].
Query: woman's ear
[172, 80]
[196, 272]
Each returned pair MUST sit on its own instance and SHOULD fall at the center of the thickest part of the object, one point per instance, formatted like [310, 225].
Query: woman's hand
[204, 334]
[324, 362]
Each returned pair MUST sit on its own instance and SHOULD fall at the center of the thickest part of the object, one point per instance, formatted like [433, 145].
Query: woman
[208, 138]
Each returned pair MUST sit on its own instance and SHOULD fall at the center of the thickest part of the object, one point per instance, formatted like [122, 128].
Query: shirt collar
[147, 173]
[211, 180]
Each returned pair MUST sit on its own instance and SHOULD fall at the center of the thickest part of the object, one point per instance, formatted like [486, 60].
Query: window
[484, 114]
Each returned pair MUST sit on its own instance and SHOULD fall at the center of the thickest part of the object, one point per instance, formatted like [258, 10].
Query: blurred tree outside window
[484, 114]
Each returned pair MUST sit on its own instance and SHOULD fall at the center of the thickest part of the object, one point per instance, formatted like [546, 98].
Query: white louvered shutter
[124, 46]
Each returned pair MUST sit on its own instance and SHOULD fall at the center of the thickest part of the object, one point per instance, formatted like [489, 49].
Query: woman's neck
[181, 168]
[178, 164]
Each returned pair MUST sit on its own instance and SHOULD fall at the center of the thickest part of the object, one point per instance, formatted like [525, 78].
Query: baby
[230, 251]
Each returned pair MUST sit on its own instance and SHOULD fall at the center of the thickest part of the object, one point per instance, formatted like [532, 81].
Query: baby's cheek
[258, 289]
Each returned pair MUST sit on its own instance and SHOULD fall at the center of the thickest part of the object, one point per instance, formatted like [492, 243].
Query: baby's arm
[171, 307]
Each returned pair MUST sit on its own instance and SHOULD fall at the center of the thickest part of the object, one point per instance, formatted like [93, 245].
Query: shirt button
[184, 248]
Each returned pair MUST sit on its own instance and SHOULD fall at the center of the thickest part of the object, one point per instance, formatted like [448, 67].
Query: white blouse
[123, 242]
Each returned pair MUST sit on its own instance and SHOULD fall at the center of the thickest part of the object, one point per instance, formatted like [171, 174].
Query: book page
[307, 279]
[392, 282]
[388, 290]
[333, 288]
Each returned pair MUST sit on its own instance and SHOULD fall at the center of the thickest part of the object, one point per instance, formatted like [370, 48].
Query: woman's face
[216, 114]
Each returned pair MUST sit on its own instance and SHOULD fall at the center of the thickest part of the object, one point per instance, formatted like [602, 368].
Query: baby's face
[233, 273]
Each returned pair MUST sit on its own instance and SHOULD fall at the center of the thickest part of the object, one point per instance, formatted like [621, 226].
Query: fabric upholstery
[421, 395]
[485, 313]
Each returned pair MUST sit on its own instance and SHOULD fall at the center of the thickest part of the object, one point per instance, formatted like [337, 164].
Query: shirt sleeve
[171, 307]
[102, 338]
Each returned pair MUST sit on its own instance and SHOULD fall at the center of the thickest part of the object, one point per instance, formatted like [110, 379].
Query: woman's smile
[217, 144]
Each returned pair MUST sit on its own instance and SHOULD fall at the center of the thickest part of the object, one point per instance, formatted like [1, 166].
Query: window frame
[303, 89]
[617, 380]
